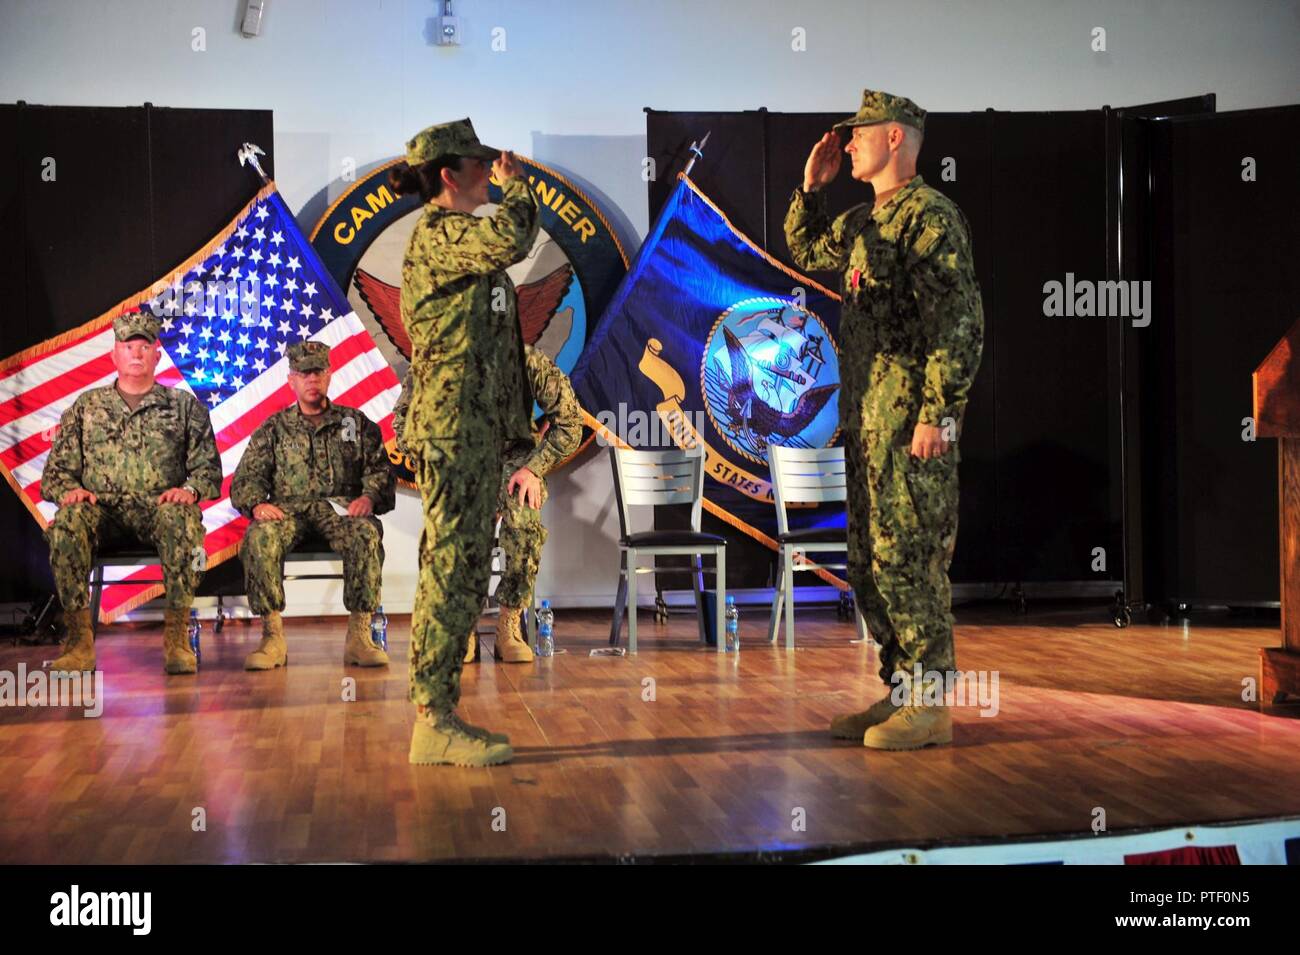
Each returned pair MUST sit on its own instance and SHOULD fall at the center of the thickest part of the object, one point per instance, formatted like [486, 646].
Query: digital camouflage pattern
[308, 356]
[455, 563]
[456, 138]
[298, 466]
[561, 415]
[911, 335]
[358, 540]
[130, 325]
[879, 107]
[459, 307]
[80, 531]
[127, 459]
[523, 535]
[468, 400]
[114, 452]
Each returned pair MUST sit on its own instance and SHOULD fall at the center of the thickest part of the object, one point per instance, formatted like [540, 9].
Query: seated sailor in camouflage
[297, 462]
[523, 492]
[911, 333]
[468, 398]
[130, 461]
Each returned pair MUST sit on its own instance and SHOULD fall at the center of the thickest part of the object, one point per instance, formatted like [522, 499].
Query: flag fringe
[775, 263]
[13, 483]
[153, 591]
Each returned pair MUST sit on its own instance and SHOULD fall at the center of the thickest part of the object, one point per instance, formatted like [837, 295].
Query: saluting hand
[506, 166]
[823, 163]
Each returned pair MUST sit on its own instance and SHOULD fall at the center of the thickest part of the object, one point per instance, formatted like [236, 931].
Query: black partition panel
[1138, 366]
[1038, 463]
[134, 191]
[1053, 458]
[1224, 249]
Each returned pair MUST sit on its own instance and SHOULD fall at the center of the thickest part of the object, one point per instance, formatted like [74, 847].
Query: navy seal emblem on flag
[769, 373]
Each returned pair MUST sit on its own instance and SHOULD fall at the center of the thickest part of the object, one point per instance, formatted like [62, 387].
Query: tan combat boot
[510, 646]
[912, 727]
[476, 731]
[471, 648]
[440, 739]
[854, 725]
[78, 650]
[177, 655]
[272, 652]
[359, 650]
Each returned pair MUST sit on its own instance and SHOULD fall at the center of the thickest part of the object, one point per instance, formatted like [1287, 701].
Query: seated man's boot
[476, 731]
[272, 652]
[912, 727]
[440, 739]
[510, 646]
[853, 725]
[177, 655]
[78, 650]
[359, 649]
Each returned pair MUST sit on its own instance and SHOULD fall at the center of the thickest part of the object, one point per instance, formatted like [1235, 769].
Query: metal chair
[805, 476]
[659, 478]
[138, 555]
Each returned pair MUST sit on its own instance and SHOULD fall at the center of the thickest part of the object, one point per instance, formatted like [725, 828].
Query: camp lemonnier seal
[769, 375]
[563, 285]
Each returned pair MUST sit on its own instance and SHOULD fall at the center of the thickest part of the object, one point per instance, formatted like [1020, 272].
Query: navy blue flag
[709, 339]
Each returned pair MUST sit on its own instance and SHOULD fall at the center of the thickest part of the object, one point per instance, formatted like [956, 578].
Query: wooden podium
[1277, 415]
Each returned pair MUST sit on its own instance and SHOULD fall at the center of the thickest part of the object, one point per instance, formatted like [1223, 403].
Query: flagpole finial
[697, 152]
[248, 154]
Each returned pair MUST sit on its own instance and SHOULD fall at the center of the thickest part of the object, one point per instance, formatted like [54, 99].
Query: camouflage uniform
[522, 532]
[523, 535]
[911, 333]
[298, 465]
[127, 459]
[468, 399]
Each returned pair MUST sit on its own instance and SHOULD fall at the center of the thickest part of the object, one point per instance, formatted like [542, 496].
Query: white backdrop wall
[350, 80]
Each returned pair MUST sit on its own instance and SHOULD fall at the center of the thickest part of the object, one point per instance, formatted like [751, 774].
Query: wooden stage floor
[1147, 723]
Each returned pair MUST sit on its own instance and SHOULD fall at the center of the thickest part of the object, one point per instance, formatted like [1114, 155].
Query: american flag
[228, 313]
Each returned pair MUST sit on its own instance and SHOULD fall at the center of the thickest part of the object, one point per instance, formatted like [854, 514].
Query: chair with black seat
[314, 549]
[129, 554]
[659, 478]
[805, 476]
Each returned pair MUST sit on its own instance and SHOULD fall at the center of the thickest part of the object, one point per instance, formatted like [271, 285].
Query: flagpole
[247, 155]
[697, 152]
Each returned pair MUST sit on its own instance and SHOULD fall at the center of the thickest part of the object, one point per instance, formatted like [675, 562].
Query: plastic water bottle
[733, 624]
[546, 630]
[193, 631]
[379, 628]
